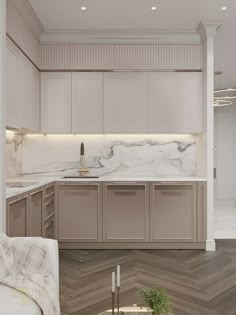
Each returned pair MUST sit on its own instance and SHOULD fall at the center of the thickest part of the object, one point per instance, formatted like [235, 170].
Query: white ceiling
[171, 15]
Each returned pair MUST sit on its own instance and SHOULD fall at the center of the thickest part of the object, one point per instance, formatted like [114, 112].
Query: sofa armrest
[52, 248]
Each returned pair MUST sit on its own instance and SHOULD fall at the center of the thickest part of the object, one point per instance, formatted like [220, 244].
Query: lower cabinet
[17, 217]
[126, 212]
[35, 214]
[79, 212]
[49, 229]
[173, 216]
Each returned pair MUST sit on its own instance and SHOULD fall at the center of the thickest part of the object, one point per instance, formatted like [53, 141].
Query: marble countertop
[39, 181]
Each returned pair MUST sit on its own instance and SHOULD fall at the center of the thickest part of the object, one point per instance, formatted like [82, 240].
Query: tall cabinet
[23, 86]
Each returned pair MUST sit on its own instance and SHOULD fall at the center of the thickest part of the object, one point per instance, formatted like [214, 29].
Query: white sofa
[14, 302]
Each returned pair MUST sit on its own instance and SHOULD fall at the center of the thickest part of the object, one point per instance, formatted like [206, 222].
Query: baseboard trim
[210, 245]
[70, 245]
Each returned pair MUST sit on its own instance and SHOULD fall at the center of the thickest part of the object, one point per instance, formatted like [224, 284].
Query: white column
[2, 113]
[207, 32]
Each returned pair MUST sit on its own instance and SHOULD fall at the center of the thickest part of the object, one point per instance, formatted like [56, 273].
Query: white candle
[113, 282]
[118, 276]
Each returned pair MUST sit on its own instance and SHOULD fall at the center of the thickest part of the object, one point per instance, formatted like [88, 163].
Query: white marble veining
[119, 155]
[13, 154]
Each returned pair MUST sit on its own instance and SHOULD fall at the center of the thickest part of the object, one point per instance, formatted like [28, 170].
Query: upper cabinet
[163, 103]
[56, 102]
[121, 102]
[23, 85]
[87, 105]
[190, 102]
[125, 102]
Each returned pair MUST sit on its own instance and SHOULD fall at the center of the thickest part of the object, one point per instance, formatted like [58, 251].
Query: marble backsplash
[13, 154]
[109, 154]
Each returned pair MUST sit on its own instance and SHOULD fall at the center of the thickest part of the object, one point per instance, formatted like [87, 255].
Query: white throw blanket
[25, 266]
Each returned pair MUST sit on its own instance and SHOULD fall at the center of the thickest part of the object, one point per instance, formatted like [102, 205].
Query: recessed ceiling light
[83, 8]
[224, 8]
[154, 8]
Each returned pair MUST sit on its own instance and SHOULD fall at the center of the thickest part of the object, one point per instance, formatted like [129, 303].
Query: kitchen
[108, 132]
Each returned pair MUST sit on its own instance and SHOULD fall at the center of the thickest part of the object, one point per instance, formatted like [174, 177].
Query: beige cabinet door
[173, 212]
[126, 212]
[125, 102]
[87, 103]
[189, 102]
[56, 102]
[163, 106]
[79, 212]
[35, 214]
[16, 217]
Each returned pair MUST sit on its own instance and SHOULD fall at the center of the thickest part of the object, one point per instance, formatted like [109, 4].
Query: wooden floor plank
[199, 282]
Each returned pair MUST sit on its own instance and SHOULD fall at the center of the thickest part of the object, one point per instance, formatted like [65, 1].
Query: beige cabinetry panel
[126, 212]
[201, 211]
[23, 84]
[35, 214]
[50, 228]
[125, 102]
[163, 105]
[17, 217]
[87, 103]
[173, 212]
[56, 102]
[79, 212]
[189, 102]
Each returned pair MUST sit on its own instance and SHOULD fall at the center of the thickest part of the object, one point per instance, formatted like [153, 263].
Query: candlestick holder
[113, 302]
[118, 300]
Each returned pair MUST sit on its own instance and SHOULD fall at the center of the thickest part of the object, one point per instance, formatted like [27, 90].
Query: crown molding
[119, 37]
[29, 16]
[208, 29]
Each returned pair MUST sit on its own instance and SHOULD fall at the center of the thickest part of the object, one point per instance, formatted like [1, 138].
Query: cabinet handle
[172, 183]
[124, 183]
[125, 193]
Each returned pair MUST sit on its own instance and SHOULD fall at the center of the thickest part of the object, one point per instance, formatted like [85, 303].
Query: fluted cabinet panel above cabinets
[56, 102]
[125, 102]
[87, 106]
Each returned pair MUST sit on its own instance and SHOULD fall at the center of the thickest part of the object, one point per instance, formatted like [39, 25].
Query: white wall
[2, 113]
[225, 156]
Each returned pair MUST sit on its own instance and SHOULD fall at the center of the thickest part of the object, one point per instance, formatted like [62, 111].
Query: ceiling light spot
[83, 8]
[224, 8]
[154, 8]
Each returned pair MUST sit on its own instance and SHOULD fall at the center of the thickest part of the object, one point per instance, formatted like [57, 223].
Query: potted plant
[156, 300]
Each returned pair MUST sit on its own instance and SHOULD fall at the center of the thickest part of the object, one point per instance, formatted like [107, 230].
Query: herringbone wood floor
[199, 282]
